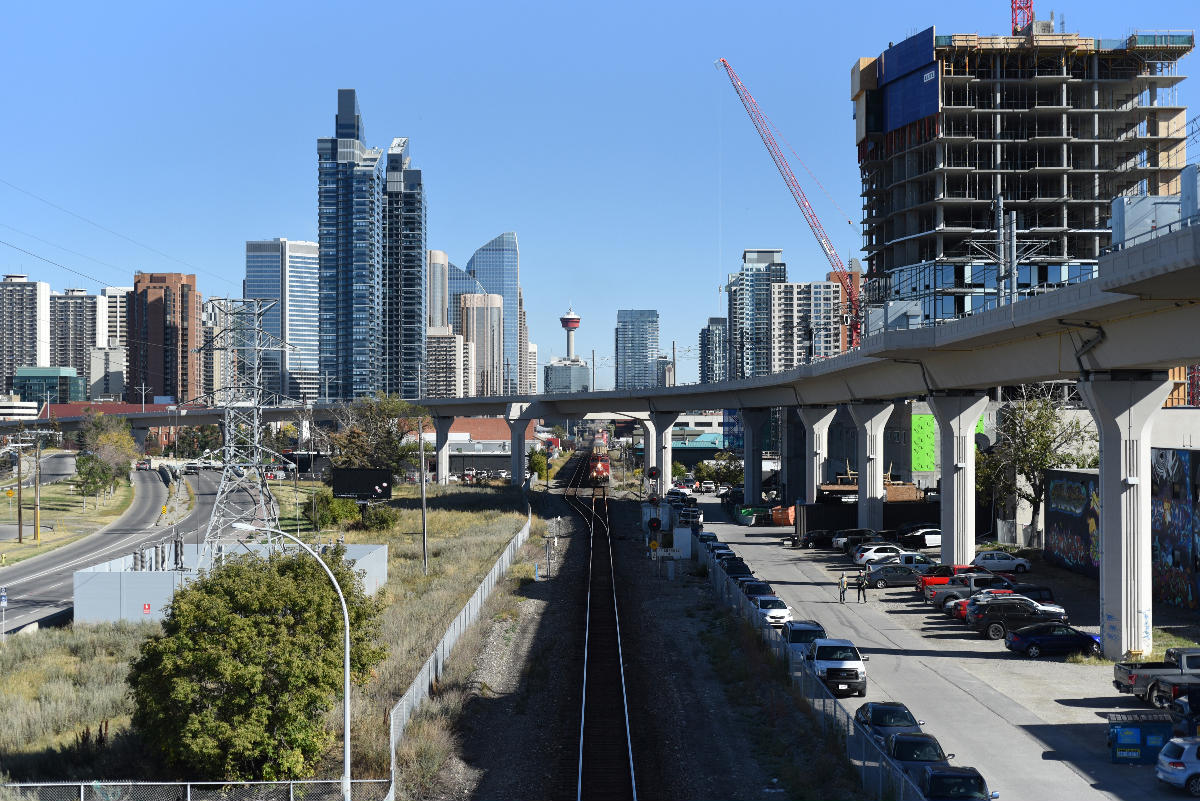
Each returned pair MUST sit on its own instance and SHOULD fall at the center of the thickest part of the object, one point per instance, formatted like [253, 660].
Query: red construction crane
[763, 126]
[1022, 14]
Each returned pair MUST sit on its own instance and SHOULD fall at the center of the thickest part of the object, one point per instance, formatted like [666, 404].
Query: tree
[1031, 438]
[728, 469]
[678, 470]
[372, 433]
[538, 464]
[248, 662]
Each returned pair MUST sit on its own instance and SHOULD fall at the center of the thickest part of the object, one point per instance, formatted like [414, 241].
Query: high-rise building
[24, 324]
[405, 316]
[213, 321]
[350, 187]
[749, 293]
[444, 364]
[497, 266]
[459, 282]
[78, 323]
[286, 271]
[482, 325]
[664, 371]
[116, 299]
[568, 374]
[438, 284]
[636, 348]
[470, 376]
[527, 370]
[48, 385]
[106, 372]
[163, 330]
[714, 350]
[806, 323]
[529, 374]
[1055, 124]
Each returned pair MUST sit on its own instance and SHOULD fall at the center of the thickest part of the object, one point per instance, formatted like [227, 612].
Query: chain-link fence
[319, 790]
[881, 778]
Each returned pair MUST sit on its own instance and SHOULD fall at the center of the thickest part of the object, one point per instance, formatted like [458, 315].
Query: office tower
[163, 332]
[459, 282]
[749, 293]
[568, 374]
[350, 234]
[806, 323]
[106, 371]
[405, 318]
[1055, 124]
[470, 375]
[438, 283]
[212, 362]
[24, 324]
[496, 266]
[286, 271]
[664, 371]
[444, 363]
[525, 370]
[483, 326]
[714, 350]
[529, 378]
[48, 385]
[78, 323]
[116, 299]
[636, 348]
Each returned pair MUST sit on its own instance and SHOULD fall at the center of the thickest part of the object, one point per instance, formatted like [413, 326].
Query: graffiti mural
[1172, 528]
[1073, 520]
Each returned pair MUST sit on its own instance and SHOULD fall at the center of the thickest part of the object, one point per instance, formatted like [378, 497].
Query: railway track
[605, 754]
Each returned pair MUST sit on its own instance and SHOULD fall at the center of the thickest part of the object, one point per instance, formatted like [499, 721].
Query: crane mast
[762, 125]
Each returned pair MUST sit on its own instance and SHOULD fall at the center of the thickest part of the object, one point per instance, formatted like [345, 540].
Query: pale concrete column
[516, 439]
[1124, 405]
[817, 420]
[753, 421]
[139, 438]
[663, 423]
[870, 418]
[649, 447]
[957, 416]
[791, 456]
[441, 447]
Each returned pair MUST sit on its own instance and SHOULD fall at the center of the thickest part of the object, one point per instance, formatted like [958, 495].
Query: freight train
[599, 471]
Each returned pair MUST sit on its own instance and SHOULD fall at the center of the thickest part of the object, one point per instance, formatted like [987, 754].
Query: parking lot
[1034, 728]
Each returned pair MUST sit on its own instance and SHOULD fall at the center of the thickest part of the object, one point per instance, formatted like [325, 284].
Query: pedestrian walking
[842, 583]
[861, 584]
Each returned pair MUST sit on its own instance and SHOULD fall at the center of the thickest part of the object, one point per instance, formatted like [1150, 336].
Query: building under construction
[1056, 124]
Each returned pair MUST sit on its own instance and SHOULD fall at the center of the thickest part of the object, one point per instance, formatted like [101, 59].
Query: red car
[941, 575]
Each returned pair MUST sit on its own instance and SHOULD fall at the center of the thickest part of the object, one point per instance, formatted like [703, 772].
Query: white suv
[1001, 562]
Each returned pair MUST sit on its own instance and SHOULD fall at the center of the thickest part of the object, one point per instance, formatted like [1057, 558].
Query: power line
[67, 249]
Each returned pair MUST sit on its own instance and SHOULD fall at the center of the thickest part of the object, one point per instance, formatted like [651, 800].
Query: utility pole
[424, 519]
[37, 489]
[593, 370]
[20, 481]
[143, 389]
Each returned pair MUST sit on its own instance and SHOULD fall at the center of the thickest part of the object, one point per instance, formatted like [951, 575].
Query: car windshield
[771, 603]
[892, 716]
[957, 787]
[919, 751]
[806, 635]
[837, 653]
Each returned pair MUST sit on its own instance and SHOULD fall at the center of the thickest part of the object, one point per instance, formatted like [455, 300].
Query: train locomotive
[599, 471]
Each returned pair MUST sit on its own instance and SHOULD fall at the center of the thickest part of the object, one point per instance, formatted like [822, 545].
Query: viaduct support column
[663, 423]
[870, 418]
[1124, 404]
[816, 421]
[753, 421]
[139, 438]
[649, 447]
[957, 415]
[516, 439]
[441, 447]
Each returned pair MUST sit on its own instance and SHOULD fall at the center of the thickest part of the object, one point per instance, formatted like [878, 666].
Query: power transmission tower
[244, 494]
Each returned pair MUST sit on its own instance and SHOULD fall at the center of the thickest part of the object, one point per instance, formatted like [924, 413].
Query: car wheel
[946, 604]
[881, 584]
[995, 631]
[1157, 699]
[1033, 651]
[1193, 785]
[810, 545]
[1020, 569]
[1095, 650]
[862, 693]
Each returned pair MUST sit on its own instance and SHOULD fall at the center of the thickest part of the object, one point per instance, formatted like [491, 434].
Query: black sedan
[892, 576]
[914, 750]
[1051, 638]
[885, 718]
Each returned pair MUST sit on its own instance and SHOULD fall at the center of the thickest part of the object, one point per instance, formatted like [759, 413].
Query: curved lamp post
[345, 656]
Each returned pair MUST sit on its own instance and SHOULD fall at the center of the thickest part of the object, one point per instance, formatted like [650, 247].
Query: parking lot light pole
[345, 655]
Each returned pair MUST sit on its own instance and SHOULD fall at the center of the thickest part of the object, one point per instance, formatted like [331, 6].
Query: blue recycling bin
[1135, 738]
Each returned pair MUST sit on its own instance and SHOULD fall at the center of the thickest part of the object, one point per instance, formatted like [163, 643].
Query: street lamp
[345, 657]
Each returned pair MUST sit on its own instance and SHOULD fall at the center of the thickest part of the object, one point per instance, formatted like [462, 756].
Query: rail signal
[654, 524]
[653, 500]
[653, 472]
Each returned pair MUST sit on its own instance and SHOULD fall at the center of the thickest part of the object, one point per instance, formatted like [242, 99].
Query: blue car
[1051, 638]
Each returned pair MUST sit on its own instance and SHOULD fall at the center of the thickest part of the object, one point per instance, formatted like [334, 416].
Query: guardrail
[881, 778]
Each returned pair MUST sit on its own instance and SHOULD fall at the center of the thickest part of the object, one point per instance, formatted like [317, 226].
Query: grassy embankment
[63, 511]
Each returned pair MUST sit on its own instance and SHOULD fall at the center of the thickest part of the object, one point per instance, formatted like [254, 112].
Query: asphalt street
[1020, 753]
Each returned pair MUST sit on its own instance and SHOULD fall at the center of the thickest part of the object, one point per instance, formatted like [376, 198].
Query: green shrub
[329, 510]
[380, 518]
[343, 509]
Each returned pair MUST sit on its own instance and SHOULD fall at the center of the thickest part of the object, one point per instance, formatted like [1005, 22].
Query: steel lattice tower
[243, 495]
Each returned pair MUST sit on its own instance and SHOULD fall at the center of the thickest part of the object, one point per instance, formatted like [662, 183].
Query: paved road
[43, 586]
[1020, 753]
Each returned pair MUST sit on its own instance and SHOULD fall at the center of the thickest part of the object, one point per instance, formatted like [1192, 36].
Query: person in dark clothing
[861, 584]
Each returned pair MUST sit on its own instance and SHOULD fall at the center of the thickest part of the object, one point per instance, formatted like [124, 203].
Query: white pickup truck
[839, 664]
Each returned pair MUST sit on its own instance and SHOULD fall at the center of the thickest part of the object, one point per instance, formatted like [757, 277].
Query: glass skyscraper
[287, 271]
[350, 233]
[636, 348]
[458, 283]
[404, 275]
[749, 292]
[714, 350]
[496, 266]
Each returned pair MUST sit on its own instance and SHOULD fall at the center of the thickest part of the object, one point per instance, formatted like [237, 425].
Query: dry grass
[62, 507]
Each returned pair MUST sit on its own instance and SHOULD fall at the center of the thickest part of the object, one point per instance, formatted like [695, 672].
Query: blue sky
[601, 133]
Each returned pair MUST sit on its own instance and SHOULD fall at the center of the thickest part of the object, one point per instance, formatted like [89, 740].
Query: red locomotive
[599, 471]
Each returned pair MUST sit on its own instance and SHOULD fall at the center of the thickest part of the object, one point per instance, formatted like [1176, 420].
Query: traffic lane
[56, 467]
[969, 717]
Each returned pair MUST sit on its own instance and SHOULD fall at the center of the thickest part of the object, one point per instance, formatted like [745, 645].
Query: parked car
[817, 538]
[689, 515]
[756, 587]
[918, 561]
[886, 575]
[193, 468]
[1184, 722]
[883, 718]
[706, 536]
[772, 609]
[1035, 592]
[143, 464]
[850, 538]
[964, 586]
[1179, 765]
[723, 490]
[1002, 615]
[1051, 638]
[913, 751]
[504, 474]
[800, 634]
[945, 783]
[922, 538]
[867, 551]
[940, 575]
[708, 486]
[839, 664]
[1001, 562]
[1141, 678]
[1171, 688]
